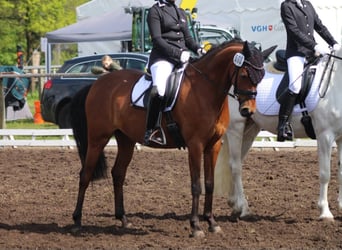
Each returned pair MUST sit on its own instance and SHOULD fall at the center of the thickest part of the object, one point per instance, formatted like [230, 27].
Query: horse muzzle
[247, 108]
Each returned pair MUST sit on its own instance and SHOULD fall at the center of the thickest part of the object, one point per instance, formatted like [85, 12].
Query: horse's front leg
[195, 154]
[210, 158]
[324, 156]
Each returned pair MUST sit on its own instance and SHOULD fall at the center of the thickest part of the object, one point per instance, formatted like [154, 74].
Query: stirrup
[158, 136]
[285, 133]
[289, 131]
[147, 137]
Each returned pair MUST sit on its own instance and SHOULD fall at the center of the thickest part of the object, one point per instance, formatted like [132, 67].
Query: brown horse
[201, 112]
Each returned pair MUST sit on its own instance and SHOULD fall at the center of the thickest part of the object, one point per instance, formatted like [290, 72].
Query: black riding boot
[285, 111]
[153, 110]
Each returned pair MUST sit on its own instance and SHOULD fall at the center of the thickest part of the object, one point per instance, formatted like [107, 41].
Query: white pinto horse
[324, 104]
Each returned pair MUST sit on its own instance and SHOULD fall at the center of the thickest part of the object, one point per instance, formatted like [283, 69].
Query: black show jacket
[169, 32]
[300, 24]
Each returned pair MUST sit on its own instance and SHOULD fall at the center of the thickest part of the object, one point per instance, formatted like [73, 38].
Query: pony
[326, 116]
[200, 112]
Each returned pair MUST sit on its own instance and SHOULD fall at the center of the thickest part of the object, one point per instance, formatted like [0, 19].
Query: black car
[58, 92]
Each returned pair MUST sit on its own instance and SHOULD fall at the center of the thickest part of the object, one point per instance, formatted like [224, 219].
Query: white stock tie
[300, 4]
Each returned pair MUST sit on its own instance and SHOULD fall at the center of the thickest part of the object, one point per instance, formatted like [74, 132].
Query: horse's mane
[221, 46]
[217, 47]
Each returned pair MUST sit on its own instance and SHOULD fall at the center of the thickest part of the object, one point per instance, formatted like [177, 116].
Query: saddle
[307, 80]
[139, 98]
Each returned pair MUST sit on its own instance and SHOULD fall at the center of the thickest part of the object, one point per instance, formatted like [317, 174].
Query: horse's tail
[223, 174]
[79, 127]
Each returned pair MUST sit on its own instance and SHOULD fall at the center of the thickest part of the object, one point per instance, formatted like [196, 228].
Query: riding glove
[185, 56]
[201, 52]
[321, 50]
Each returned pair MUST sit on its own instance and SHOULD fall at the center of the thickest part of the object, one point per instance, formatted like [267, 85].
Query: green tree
[24, 22]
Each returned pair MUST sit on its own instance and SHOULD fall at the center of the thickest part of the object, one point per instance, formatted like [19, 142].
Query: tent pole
[48, 58]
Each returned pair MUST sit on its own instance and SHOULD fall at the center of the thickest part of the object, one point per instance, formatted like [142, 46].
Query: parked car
[58, 92]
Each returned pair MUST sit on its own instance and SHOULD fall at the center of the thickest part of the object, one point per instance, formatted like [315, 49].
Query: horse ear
[246, 50]
[268, 51]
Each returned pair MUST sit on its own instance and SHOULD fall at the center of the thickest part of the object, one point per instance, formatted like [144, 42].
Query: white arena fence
[64, 138]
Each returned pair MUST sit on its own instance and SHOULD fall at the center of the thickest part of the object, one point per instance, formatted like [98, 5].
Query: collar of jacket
[162, 3]
[300, 3]
[296, 3]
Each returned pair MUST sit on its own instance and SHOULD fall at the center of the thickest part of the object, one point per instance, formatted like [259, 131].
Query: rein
[329, 73]
[201, 73]
[337, 57]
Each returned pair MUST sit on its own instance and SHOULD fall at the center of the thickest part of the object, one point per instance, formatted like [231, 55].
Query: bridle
[239, 62]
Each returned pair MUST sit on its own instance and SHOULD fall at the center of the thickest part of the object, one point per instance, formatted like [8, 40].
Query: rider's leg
[295, 67]
[153, 110]
[285, 111]
[160, 72]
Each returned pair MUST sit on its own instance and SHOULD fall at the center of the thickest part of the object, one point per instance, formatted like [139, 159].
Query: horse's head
[248, 72]
[234, 63]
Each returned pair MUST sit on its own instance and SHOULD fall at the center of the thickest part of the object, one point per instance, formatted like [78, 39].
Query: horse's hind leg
[123, 158]
[86, 173]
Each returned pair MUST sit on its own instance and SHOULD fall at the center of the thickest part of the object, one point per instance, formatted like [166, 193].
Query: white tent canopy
[96, 8]
[113, 25]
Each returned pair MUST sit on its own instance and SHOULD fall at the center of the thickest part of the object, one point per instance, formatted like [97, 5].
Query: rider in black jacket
[301, 20]
[171, 41]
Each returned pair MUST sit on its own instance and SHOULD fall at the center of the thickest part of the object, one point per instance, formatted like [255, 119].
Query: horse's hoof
[231, 203]
[197, 234]
[75, 229]
[127, 225]
[215, 229]
[327, 219]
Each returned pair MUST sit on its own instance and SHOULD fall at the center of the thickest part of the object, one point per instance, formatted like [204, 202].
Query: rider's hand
[201, 52]
[185, 56]
[336, 47]
[321, 50]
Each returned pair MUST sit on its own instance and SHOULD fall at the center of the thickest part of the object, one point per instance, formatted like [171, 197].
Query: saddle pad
[139, 91]
[266, 97]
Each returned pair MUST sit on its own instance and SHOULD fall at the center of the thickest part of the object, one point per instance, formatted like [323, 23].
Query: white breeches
[295, 66]
[161, 71]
